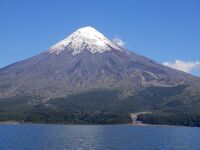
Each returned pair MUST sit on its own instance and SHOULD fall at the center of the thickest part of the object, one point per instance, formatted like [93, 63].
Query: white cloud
[117, 40]
[188, 66]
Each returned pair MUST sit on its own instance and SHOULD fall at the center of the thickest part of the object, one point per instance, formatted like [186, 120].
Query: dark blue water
[100, 137]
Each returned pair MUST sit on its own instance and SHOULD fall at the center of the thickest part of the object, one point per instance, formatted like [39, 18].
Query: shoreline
[11, 122]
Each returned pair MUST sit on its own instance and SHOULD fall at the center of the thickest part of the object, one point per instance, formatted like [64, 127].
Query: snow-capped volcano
[88, 72]
[86, 38]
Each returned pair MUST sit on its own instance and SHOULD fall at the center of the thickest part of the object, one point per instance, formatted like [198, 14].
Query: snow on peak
[87, 38]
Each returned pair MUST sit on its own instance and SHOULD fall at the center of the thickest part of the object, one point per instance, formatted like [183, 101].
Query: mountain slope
[88, 72]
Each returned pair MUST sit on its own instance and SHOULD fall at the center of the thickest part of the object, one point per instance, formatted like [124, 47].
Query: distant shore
[138, 123]
[9, 122]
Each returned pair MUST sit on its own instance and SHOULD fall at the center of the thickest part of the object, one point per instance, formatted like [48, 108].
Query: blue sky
[167, 31]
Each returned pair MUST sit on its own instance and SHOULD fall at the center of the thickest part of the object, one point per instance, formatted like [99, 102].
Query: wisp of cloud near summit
[117, 40]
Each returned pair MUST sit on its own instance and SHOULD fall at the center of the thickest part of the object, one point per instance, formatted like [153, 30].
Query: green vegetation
[105, 107]
[97, 100]
[78, 117]
[171, 119]
[30, 109]
[67, 117]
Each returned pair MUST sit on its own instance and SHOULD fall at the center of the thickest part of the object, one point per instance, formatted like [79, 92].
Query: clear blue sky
[164, 30]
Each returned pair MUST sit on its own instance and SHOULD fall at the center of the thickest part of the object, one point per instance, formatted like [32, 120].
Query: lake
[98, 137]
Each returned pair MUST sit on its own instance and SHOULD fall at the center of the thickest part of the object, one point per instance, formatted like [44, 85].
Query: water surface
[98, 137]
